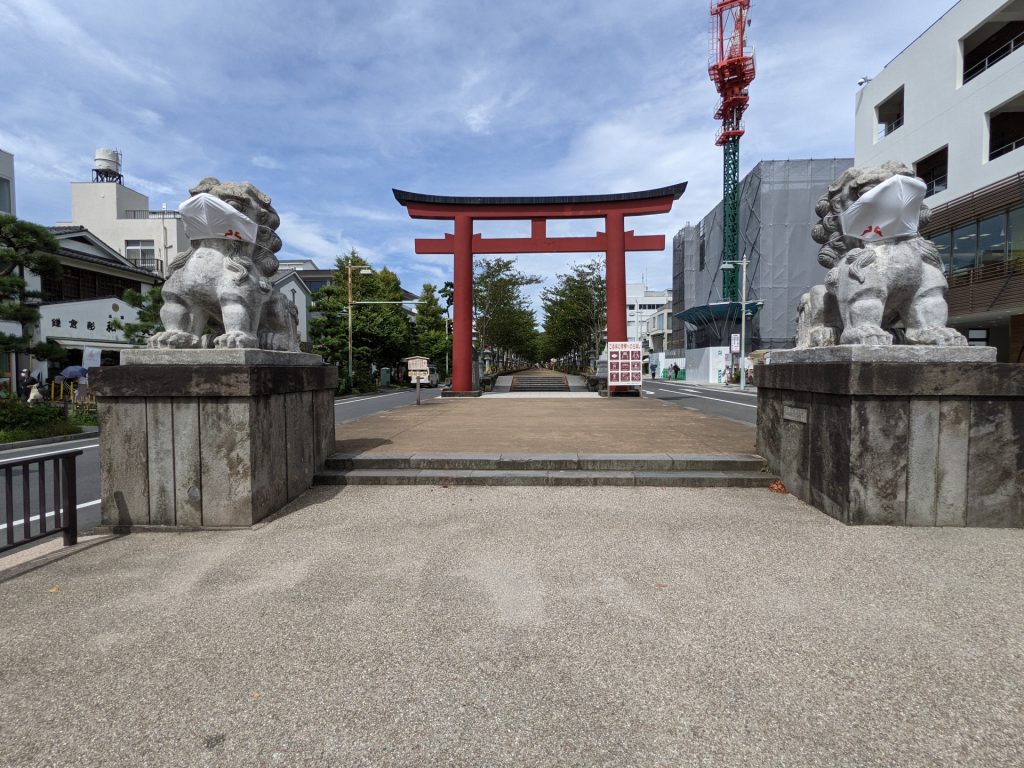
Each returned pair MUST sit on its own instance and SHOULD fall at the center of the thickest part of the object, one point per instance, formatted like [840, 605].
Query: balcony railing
[150, 265]
[935, 185]
[1012, 266]
[884, 129]
[40, 499]
[999, 53]
[135, 213]
[1006, 148]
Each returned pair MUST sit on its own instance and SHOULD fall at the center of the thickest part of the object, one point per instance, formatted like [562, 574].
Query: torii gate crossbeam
[463, 244]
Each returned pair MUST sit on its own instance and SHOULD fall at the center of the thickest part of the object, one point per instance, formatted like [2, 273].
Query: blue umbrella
[74, 372]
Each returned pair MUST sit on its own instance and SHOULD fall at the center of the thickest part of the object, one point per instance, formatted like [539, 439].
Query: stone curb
[86, 434]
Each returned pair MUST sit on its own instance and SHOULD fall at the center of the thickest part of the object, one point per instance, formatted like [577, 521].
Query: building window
[965, 247]
[932, 171]
[1016, 233]
[943, 243]
[1006, 128]
[992, 239]
[993, 40]
[890, 113]
[141, 253]
[977, 337]
[5, 196]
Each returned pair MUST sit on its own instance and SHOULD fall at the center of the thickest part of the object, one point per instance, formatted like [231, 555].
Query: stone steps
[567, 469]
[540, 382]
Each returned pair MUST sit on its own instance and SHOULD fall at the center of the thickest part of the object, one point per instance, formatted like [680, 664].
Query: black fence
[39, 499]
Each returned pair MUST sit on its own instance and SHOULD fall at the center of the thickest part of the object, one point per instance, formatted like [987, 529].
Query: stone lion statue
[885, 280]
[221, 282]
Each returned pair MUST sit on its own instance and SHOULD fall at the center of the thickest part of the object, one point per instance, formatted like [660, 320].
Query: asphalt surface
[406, 626]
[711, 399]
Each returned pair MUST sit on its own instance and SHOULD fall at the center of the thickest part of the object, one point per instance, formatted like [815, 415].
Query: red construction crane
[731, 67]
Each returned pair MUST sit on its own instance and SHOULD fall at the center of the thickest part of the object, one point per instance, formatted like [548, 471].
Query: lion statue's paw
[936, 336]
[174, 340]
[236, 340]
[870, 335]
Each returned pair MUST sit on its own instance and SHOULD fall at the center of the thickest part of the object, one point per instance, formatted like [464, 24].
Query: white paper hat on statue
[206, 216]
[890, 210]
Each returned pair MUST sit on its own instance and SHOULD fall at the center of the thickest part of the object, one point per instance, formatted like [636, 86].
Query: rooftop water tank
[107, 166]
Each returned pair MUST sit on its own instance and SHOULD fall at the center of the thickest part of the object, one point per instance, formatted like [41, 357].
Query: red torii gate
[463, 243]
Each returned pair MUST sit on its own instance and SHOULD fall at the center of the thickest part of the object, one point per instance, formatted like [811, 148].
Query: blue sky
[328, 105]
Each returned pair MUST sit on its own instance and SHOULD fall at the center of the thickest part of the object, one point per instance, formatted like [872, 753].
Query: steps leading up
[538, 381]
[689, 470]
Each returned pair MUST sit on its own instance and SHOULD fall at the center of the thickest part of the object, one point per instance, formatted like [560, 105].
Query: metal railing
[884, 129]
[142, 213]
[150, 265]
[998, 54]
[36, 492]
[935, 185]
[1006, 148]
[1012, 266]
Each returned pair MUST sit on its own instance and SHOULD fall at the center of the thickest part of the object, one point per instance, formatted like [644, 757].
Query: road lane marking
[720, 400]
[51, 453]
[348, 400]
[35, 518]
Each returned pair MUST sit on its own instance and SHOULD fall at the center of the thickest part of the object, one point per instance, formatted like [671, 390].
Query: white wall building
[121, 217]
[79, 310]
[951, 105]
[641, 304]
[7, 197]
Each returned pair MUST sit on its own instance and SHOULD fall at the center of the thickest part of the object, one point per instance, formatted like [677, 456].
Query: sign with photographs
[625, 363]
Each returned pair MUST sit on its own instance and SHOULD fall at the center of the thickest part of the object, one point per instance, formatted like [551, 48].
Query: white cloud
[328, 109]
[265, 161]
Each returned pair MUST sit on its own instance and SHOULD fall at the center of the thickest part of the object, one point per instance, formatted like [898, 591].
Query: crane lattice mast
[731, 68]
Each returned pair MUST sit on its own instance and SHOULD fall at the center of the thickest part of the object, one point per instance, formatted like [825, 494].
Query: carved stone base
[209, 446]
[890, 443]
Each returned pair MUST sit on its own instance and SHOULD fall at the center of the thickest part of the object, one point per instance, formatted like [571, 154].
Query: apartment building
[122, 218]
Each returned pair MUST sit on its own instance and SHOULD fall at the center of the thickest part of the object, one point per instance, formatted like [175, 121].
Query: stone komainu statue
[883, 275]
[222, 281]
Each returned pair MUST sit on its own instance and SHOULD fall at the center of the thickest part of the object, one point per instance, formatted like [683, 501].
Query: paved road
[358, 406]
[728, 402]
[88, 470]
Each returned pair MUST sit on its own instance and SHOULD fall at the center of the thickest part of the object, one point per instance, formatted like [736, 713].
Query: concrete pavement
[522, 627]
[549, 424]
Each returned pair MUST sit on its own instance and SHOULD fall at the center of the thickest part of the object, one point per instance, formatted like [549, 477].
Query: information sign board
[735, 347]
[625, 363]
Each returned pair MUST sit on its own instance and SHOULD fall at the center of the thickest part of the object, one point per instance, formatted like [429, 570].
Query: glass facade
[982, 243]
[5, 196]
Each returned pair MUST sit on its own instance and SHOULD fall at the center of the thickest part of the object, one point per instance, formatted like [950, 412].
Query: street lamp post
[743, 315]
[363, 271]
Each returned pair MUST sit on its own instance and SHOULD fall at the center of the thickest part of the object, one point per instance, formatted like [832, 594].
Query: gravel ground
[405, 626]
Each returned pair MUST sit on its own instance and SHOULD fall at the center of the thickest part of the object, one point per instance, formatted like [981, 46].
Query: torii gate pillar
[463, 244]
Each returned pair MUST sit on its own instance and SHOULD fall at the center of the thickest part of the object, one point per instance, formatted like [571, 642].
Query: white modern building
[642, 304]
[7, 184]
[121, 217]
[951, 105]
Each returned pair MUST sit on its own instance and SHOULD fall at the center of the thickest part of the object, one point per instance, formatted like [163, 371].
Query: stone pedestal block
[207, 445]
[897, 443]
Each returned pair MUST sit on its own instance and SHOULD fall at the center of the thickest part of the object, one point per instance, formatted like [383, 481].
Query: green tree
[431, 336]
[26, 247]
[575, 313]
[381, 332]
[501, 310]
[148, 304]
